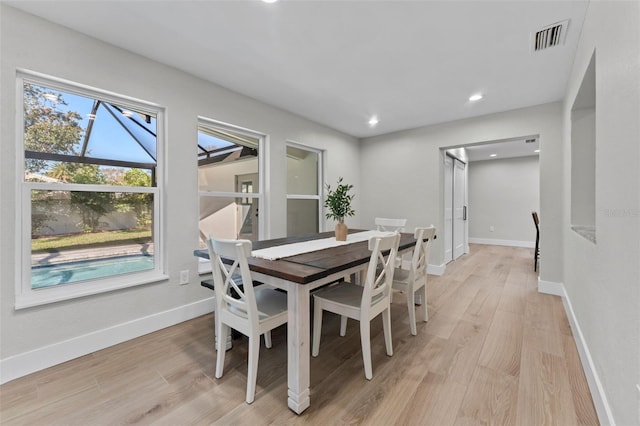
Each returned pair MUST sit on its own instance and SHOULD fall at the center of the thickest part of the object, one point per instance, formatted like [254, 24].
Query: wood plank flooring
[494, 351]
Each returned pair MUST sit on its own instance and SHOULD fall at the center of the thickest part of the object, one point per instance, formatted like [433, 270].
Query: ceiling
[409, 63]
[499, 150]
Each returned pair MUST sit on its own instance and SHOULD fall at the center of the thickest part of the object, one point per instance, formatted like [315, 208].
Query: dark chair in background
[536, 253]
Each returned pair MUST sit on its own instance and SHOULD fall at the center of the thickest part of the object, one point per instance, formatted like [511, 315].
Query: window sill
[82, 289]
[587, 232]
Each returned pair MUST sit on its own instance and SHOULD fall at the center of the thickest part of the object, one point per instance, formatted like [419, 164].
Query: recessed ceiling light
[269, 1]
[475, 97]
[373, 121]
[492, 155]
[537, 150]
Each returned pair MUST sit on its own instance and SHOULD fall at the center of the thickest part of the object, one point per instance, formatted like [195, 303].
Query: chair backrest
[233, 276]
[420, 259]
[536, 222]
[390, 225]
[379, 278]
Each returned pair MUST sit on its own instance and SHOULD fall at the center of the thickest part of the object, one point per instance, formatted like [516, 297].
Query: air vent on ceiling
[529, 140]
[550, 36]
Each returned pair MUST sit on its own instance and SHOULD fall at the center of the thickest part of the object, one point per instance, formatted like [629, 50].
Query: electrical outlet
[491, 228]
[184, 277]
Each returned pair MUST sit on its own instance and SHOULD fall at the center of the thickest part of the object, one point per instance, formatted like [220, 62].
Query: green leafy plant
[338, 201]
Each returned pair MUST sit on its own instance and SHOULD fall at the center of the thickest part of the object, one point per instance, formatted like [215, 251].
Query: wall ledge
[29, 362]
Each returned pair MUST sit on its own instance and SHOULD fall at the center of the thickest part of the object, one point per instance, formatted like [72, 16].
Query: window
[304, 180]
[229, 182]
[90, 198]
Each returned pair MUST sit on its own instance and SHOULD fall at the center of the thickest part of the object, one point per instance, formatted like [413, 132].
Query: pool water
[70, 272]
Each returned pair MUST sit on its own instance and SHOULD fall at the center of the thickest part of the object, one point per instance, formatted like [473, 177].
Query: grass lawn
[91, 239]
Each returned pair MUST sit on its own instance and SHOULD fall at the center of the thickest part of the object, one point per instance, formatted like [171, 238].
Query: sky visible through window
[210, 143]
[109, 139]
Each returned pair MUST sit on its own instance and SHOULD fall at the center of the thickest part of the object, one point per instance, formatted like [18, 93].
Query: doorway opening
[490, 189]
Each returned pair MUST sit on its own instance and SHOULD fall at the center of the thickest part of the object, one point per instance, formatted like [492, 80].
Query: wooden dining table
[298, 275]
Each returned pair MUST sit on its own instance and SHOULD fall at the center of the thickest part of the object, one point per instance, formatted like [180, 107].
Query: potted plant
[338, 203]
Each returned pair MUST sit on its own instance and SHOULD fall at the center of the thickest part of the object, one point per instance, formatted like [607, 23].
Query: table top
[309, 267]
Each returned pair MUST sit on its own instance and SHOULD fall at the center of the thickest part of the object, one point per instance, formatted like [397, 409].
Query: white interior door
[459, 208]
[448, 209]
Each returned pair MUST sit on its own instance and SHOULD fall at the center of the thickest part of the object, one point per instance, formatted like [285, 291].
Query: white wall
[31, 43]
[502, 195]
[412, 162]
[602, 280]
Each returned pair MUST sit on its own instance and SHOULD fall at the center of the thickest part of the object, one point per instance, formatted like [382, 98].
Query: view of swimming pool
[69, 272]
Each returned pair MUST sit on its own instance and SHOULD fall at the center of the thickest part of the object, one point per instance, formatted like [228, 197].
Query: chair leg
[423, 293]
[215, 331]
[222, 341]
[411, 306]
[365, 339]
[252, 370]
[317, 328]
[386, 326]
[267, 339]
[343, 325]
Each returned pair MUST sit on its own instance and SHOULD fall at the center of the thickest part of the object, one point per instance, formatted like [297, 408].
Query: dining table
[299, 275]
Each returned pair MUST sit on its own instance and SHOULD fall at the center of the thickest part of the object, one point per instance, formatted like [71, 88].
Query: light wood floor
[493, 352]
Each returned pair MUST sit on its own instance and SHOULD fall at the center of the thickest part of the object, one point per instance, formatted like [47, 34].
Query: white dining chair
[362, 303]
[414, 279]
[252, 312]
[390, 225]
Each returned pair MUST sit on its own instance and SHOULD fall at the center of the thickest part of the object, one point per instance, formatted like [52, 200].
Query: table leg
[298, 342]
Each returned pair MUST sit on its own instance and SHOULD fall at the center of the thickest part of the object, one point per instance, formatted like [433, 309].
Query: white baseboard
[550, 287]
[605, 416]
[25, 363]
[510, 243]
[436, 269]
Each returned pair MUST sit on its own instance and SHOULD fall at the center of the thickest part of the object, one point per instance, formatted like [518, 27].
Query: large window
[304, 168]
[229, 181]
[90, 203]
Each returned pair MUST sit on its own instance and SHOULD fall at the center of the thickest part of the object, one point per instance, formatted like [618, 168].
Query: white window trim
[319, 196]
[204, 265]
[25, 296]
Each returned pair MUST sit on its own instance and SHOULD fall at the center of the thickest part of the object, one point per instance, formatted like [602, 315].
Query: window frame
[319, 196]
[204, 265]
[25, 295]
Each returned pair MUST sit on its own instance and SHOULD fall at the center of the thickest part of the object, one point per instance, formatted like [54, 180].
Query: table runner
[286, 250]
